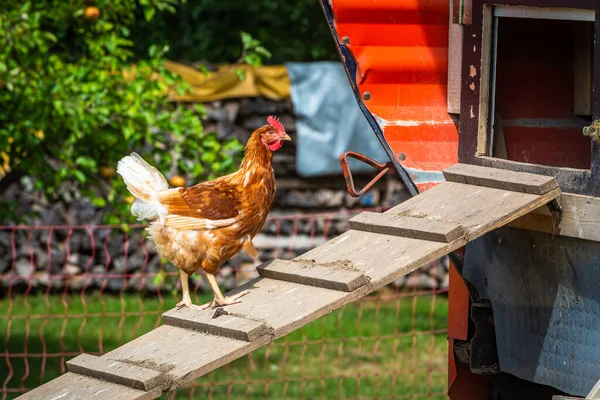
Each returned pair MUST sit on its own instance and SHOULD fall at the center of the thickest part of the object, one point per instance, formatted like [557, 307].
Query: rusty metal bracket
[382, 168]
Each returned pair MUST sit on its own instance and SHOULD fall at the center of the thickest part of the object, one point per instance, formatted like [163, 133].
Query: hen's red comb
[275, 123]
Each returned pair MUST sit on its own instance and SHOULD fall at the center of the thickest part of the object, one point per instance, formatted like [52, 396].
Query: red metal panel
[458, 306]
[401, 48]
[390, 11]
[463, 384]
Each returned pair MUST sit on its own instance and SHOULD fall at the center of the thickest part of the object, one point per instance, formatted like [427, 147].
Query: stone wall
[306, 213]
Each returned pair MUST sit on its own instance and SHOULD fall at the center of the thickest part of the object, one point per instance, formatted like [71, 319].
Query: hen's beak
[285, 137]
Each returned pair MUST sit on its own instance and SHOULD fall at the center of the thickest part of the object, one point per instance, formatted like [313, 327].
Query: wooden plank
[286, 306]
[113, 371]
[339, 275]
[484, 81]
[570, 180]
[580, 218]
[71, 386]
[582, 69]
[216, 323]
[500, 179]
[478, 209]
[183, 354]
[384, 258]
[407, 226]
[554, 13]
[454, 62]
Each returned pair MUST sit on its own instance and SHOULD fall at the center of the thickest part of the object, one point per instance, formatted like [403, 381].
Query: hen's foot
[226, 301]
[188, 303]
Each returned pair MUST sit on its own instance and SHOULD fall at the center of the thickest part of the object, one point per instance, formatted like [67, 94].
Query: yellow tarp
[268, 81]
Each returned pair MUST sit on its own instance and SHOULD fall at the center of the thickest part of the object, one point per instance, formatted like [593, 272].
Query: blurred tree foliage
[68, 112]
[209, 30]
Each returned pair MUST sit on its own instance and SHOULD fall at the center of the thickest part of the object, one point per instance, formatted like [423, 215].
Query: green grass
[385, 346]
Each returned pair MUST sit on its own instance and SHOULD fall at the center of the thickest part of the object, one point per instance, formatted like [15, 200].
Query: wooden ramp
[378, 249]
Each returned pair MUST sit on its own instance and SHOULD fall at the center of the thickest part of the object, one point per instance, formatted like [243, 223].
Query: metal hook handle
[382, 168]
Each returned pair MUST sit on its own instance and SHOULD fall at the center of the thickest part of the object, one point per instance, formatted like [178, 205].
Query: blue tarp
[329, 121]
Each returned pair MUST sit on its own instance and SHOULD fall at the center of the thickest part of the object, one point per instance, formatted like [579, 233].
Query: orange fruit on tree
[91, 13]
[177, 180]
[107, 171]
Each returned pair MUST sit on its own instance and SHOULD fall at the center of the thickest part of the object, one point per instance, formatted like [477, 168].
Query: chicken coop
[489, 114]
[507, 86]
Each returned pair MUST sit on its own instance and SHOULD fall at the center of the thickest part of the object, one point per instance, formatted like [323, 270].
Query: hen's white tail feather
[144, 182]
[143, 210]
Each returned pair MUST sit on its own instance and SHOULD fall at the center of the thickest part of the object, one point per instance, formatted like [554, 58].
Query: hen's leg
[219, 299]
[187, 301]
[251, 251]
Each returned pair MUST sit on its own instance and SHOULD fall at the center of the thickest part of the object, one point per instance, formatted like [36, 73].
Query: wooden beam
[114, 371]
[183, 354]
[554, 13]
[455, 36]
[486, 210]
[414, 227]
[216, 323]
[340, 275]
[72, 386]
[484, 81]
[500, 179]
[582, 68]
[580, 218]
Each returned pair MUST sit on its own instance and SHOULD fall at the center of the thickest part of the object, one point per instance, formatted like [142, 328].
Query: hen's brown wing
[207, 205]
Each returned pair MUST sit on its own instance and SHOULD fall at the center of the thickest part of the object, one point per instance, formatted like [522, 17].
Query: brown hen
[204, 225]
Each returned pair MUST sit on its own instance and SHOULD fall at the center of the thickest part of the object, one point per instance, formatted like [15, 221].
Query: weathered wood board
[338, 275]
[71, 386]
[478, 209]
[282, 306]
[383, 258]
[114, 371]
[182, 354]
[455, 49]
[286, 306]
[402, 225]
[484, 83]
[209, 321]
[500, 179]
[580, 218]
